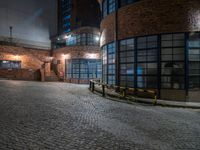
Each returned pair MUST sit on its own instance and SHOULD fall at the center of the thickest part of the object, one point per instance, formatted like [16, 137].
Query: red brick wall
[152, 17]
[22, 74]
[108, 29]
[31, 61]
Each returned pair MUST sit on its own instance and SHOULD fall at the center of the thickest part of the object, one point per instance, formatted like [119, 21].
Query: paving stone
[35, 115]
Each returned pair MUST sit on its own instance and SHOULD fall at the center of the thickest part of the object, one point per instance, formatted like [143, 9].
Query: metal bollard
[124, 93]
[155, 100]
[103, 90]
[92, 86]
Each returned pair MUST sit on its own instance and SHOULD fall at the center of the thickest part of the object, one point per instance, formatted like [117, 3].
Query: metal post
[155, 100]
[117, 63]
[124, 93]
[135, 66]
[186, 66]
[10, 33]
[159, 67]
[103, 90]
[64, 71]
[92, 86]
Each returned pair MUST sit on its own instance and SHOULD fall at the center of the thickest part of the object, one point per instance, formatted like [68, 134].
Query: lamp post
[11, 28]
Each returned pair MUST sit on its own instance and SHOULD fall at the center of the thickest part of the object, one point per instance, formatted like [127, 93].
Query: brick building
[73, 14]
[25, 30]
[28, 53]
[76, 50]
[21, 63]
[76, 58]
[152, 44]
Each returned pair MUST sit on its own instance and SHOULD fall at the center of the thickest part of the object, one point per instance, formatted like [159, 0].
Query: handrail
[123, 89]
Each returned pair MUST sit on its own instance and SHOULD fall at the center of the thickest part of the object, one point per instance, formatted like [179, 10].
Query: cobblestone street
[35, 115]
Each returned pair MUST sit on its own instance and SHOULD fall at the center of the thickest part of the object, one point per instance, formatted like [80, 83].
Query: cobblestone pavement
[36, 115]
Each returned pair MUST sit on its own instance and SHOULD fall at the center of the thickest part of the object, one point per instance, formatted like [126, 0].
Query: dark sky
[31, 19]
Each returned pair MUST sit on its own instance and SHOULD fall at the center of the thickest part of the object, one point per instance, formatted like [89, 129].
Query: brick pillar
[47, 69]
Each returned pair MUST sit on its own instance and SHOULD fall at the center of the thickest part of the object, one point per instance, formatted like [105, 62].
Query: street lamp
[11, 33]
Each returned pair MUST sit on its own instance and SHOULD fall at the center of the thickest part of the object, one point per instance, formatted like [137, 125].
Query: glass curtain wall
[172, 61]
[83, 69]
[66, 6]
[147, 52]
[166, 61]
[109, 64]
[105, 63]
[194, 60]
[82, 39]
[127, 62]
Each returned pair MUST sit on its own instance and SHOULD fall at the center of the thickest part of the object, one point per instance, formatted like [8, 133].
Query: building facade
[71, 54]
[76, 49]
[152, 44]
[73, 14]
[22, 63]
[77, 57]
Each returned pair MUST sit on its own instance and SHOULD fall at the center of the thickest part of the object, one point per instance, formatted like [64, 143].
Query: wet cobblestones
[56, 116]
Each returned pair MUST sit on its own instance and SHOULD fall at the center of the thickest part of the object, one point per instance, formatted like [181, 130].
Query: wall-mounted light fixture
[92, 56]
[67, 36]
[66, 56]
[16, 57]
[97, 38]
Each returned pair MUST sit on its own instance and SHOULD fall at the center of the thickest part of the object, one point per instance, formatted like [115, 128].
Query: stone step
[53, 77]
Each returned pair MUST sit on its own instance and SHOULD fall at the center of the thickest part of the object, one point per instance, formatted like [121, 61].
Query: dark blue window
[83, 68]
[147, 52]
[127, 62]
[194, 60]
[5, 64]
[109, 64]
[109, 6]
[66, 15]
[126, 2]
[172, 61]
[105, 9]
[83, 39]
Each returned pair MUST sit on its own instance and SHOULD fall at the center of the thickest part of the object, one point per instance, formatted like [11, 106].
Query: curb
[163, 103]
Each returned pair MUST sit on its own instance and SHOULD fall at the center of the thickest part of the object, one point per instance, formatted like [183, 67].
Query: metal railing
[123, 91]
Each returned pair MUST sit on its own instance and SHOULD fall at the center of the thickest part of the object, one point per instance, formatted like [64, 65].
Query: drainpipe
[116, 44]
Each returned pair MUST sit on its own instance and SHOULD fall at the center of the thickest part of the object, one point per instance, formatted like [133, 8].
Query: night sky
[33, 20]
